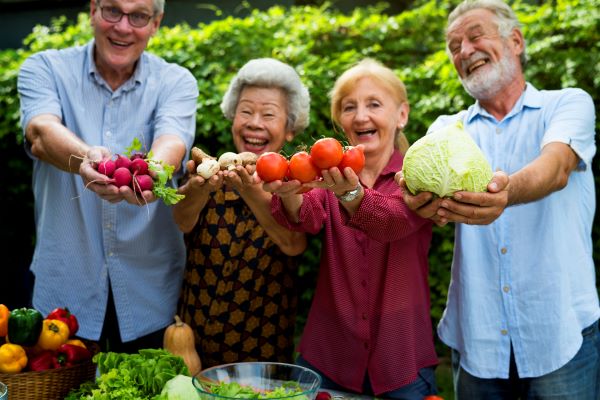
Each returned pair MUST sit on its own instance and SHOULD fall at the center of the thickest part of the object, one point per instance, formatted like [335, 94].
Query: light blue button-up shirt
[81, 240]
[527, 278]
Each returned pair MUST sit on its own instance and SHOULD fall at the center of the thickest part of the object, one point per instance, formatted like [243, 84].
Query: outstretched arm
[544, 175]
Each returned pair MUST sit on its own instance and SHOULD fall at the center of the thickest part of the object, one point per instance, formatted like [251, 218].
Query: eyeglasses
[136, 19]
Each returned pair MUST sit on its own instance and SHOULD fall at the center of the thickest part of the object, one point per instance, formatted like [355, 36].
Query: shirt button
[366, 344]
[110, 254]
[364, 283]
[108, 133]
[498, 131]
[503, 250]
[504, 332]
[506, 289]
[364, 315]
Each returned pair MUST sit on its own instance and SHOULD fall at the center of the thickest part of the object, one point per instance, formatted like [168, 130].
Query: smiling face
[485, 61]
[118, 45]
[259, 124]
[370, 116]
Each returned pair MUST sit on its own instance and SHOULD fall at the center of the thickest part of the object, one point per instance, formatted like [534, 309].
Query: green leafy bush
[563, 45]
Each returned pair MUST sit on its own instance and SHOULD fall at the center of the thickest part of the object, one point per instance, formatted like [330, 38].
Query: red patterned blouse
[371, 308]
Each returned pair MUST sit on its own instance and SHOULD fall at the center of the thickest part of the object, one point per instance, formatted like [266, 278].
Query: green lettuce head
[446, 161]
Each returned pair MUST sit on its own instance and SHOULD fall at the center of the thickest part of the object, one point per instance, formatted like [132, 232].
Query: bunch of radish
[129, 171]
[132, 169]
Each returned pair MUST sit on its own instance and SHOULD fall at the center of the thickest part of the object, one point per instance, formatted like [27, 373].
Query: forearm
[187, 211]
[545, 175]
[291, 205]
[55, 144]
[385, 217]
[170, 149]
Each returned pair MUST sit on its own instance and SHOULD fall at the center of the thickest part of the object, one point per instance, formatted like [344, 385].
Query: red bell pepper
[70, 354]
[64, 315]
[42, 361]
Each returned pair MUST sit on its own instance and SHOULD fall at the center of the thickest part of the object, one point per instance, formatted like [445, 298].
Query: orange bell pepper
[12, 358]
[54, 333]
[4, 313]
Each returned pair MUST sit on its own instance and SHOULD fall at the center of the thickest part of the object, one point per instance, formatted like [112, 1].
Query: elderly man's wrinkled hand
[94, 180]
[478, 208]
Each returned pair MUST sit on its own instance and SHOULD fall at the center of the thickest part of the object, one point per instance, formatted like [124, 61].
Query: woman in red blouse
[369, 327]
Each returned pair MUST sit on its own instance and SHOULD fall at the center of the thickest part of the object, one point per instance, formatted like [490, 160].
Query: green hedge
[563, 44]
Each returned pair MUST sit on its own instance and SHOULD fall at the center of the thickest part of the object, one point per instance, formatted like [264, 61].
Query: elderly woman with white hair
[239, 292]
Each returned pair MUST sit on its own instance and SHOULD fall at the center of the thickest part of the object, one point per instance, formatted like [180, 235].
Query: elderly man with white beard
[522, 311]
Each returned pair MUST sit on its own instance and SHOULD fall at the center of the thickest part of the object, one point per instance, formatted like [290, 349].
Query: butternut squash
[179, 340]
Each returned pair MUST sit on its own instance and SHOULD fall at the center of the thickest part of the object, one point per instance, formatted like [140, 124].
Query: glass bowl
[268, 379]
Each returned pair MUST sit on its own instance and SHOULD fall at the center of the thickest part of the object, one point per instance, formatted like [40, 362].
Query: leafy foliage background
[563, 44]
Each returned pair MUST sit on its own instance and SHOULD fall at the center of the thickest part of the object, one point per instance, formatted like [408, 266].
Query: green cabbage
[179, 388]
[445, 161]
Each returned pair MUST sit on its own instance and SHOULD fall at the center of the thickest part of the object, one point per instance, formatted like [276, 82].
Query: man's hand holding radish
[109, 188]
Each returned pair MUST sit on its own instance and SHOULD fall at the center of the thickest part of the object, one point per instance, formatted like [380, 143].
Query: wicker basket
[52, 384]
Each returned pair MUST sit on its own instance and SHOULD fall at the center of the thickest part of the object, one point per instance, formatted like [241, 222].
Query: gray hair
[271, 73]
[506, 19]
[159, 6]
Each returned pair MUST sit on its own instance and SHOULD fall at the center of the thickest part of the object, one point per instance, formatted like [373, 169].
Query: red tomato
[354, 157]
[271, 166]
[302, 168]
[326, 153]
[433, 397]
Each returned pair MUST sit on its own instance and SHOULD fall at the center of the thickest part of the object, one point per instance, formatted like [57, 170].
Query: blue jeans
[579, 379]
[423, 386]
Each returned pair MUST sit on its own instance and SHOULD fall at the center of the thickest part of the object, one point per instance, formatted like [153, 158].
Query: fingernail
[457, 196]
[494, 186]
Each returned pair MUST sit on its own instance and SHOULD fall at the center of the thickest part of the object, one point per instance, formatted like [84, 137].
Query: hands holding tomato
[328, 165]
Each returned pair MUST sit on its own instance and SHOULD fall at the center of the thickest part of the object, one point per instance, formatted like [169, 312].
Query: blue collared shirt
[527, 278]
[81, 240]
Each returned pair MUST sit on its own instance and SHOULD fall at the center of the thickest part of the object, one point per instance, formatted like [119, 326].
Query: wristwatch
[350, 194]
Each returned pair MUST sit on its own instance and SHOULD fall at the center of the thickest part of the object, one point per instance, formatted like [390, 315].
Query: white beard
[483, 85]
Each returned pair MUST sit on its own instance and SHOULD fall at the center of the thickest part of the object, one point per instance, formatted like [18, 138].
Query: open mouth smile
[476, 65]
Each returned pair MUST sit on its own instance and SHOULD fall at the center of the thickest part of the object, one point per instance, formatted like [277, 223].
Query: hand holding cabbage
[446, 161]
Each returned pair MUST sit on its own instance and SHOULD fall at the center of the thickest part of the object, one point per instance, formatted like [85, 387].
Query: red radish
[142, 182]
[137, 155]
[107, 167]
[121, 177]
[139, 167]
[122, 162]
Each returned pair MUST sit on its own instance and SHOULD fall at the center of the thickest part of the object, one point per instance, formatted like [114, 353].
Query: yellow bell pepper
[54, 333]
[12, 358]
[76, 342]
[4, 313]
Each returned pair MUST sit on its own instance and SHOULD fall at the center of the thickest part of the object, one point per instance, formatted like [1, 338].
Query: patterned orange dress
[239, 294]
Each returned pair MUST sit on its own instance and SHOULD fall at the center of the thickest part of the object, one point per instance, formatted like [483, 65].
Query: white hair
[506, 19]
[271, 73]
[159, 6]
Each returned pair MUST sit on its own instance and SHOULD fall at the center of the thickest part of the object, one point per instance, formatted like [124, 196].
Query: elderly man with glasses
[120, 251]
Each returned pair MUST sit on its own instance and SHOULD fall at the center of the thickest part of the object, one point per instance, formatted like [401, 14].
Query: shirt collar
[395, 163]
[530, 98]
[139, 75]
